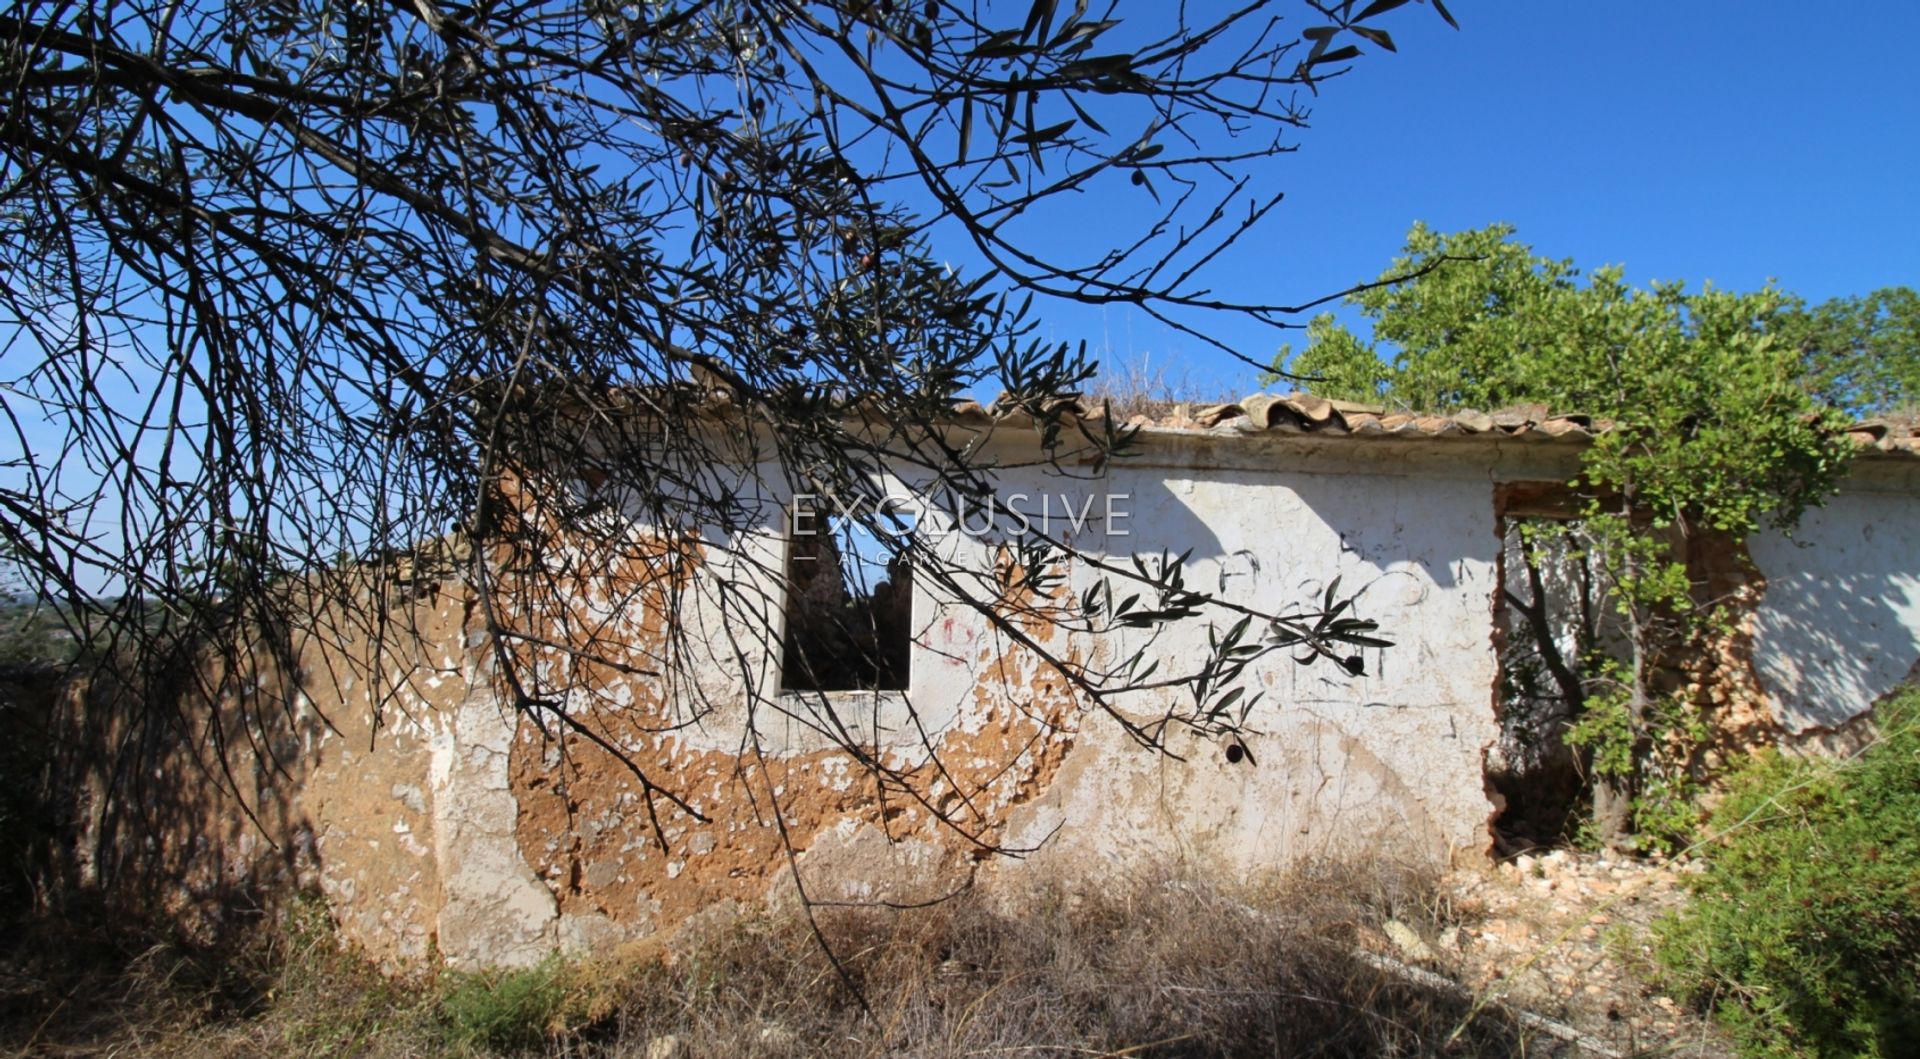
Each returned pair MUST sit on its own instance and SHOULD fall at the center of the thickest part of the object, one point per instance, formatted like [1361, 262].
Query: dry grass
[1164, 965]
[106, 990]
[1153, 387]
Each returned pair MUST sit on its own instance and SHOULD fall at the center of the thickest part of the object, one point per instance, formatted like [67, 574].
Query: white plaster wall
[1839, 624]
[1420, 553]
[1388, 763]
[1390, 760]
[493, 910]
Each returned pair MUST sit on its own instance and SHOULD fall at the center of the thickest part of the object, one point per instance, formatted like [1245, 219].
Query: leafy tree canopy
[1712, 425]
[1860, 354]
[1711, 415]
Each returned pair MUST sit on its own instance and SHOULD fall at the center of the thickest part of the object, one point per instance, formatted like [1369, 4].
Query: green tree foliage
[1471, 331]
[1470, 336]
[1710, 428]
[1860, 354]
[1804, 935]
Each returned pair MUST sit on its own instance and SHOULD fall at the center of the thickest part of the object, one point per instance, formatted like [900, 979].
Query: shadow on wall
[1839, 624]
[1383, 520]
[29, 821]
[1417, 553]
[1387, 759]
[170, 796]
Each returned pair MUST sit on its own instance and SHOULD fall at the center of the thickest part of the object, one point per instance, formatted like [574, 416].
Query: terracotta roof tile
[1350, 408]
[1213, 415]
[1316, 410]
[1293, 413]
[1363, 422]
[1562, 427]
[1523, 415]
[1306, 414]
[1474, 420]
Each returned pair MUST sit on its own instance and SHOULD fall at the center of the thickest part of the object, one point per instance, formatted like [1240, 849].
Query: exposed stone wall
[1721, 679]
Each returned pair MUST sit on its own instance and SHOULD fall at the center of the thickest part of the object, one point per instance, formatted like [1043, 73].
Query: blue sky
[1698, 140]
[1731, 142]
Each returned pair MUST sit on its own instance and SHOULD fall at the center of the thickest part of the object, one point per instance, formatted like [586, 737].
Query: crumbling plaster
[442, 819]
[985, 735]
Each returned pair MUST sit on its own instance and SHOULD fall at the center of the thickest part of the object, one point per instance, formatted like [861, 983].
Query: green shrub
[501, 1010]
[1804, 935]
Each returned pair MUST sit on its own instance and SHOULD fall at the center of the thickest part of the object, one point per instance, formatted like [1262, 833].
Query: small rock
[410, 796]
[1510, 932]
[1407, 940]
[666, 1047]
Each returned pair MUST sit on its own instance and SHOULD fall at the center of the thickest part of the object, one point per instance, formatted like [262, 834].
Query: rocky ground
[1564, 936]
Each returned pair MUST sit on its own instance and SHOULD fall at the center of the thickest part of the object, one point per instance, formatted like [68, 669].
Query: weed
[504, 1010]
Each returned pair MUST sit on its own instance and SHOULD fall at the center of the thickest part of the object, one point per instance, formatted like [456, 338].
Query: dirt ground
[1564, 936]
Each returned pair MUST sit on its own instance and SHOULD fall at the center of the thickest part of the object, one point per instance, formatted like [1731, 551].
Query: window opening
[849, 612]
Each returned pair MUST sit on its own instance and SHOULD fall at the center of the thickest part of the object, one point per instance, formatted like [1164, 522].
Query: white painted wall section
[1839, 625]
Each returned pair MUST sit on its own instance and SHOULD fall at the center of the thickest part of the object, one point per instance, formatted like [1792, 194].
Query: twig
[1430, 980]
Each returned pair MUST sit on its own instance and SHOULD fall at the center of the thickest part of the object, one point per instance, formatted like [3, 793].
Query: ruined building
[437, 819]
